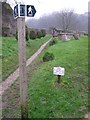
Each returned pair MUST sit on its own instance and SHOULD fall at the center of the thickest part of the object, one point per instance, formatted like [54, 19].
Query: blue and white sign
[15, 12]
[30, 10]
[21, 10]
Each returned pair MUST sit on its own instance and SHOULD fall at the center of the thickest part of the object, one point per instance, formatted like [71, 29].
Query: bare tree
[66, 18]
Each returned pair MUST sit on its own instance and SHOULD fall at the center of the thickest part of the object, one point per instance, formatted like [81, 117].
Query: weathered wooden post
[20, 11]
[22, 67]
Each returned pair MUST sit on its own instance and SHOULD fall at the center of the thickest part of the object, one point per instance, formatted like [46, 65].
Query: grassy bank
[47, 99]
[10, 53]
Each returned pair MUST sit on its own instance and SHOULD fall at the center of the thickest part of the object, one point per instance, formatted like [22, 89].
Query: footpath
[9, 81]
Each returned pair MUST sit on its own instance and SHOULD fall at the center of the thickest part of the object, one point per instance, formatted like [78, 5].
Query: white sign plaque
[58, 71]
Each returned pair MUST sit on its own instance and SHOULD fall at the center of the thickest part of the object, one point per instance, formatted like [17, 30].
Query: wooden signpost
[22, 67]
[20, 11]
[59, 71]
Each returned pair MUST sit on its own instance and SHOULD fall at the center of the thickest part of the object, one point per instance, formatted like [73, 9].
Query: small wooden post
[59, 78]
[22, 67]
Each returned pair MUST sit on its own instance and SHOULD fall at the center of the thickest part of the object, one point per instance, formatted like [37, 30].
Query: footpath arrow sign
[21, 10]
[30, 11]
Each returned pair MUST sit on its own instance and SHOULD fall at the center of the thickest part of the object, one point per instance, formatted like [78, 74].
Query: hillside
[10, 52]
[47, 98]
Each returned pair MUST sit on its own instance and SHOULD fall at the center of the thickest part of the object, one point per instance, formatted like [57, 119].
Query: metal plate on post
[58, 71]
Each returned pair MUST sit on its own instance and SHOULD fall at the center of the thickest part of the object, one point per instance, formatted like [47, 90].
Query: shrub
[43, 32]
[48, 56]
[35, 33]
[32, 34]
[52, 42]
[27, 35]
[39, 34]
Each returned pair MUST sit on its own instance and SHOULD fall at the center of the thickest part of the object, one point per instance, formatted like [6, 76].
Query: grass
[47, 98]
[10, 53]
[0, 59]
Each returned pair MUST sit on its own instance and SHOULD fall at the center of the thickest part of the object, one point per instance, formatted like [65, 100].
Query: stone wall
[8, 21]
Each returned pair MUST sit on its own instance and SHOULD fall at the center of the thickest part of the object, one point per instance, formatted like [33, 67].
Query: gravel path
[8, 82]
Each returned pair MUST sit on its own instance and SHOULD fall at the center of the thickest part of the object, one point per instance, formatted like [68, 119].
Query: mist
[78, 22]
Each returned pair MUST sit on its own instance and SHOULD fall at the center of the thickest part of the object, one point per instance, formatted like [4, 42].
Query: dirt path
[8, 82]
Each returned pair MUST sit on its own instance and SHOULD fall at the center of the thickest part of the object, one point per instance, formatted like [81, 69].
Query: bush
[27, 35]
[35, 33]
[43, 32]
[32, 34]
[39, 34]
[52, 42]
[48, 56]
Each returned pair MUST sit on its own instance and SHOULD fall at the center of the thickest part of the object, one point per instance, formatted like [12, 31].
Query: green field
[47, 98]
[10, 52]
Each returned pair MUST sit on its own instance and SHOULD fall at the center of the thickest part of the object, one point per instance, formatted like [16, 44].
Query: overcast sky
[44, 7]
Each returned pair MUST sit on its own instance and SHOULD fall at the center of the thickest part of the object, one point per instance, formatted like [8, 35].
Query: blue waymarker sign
[21, 10]
[30, 11]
